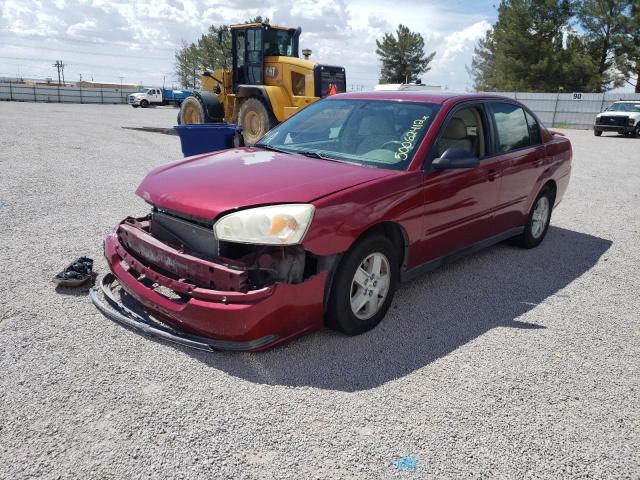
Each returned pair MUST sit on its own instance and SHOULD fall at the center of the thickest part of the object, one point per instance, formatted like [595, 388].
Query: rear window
[534, 129]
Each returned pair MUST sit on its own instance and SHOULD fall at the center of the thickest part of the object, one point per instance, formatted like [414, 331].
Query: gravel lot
[509, 363]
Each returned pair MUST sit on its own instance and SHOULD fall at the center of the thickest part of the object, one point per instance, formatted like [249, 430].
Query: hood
[207, 185]
[619, 114]
[137, 94]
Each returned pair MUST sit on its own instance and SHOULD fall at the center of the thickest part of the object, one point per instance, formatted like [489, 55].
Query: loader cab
[251, 43]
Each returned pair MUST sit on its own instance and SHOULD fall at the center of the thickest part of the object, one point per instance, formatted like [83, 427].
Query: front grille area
[613, 121]
[185, 234]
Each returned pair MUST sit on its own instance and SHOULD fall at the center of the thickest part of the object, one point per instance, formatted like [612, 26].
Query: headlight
[272, 225]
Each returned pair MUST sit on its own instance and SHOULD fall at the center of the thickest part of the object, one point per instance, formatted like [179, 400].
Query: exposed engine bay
[186, 250]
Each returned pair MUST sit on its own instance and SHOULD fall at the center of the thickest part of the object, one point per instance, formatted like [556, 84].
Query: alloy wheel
[370, 286]
[540, 217]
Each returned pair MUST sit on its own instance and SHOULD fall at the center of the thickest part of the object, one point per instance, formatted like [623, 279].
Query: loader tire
[255, 120]
[191, 111]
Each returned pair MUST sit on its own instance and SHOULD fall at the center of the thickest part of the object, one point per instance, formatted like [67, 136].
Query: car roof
[425, 96]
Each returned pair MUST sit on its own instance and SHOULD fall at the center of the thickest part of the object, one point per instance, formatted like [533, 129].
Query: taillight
[332, 89]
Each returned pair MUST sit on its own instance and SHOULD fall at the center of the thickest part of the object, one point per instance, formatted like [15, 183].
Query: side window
[297, 84]
[534, 129]
[464, 130]
[513, 131]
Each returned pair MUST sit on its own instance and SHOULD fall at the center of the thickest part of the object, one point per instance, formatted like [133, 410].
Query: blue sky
[106, 40]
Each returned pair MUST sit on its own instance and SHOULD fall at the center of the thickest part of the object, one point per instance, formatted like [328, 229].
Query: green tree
[188, 65]
[628, 52]
[211, 51]
[604, 23]
[402, 55]
[532, 48]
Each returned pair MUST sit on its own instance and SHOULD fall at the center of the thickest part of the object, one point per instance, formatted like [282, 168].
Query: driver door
[459, 202]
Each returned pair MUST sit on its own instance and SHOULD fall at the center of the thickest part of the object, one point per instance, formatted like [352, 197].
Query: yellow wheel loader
[267, 83]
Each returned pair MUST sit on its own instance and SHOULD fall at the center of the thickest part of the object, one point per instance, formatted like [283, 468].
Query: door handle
[492, 175]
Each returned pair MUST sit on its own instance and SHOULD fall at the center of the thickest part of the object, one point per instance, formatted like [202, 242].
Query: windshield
[383, 134]
[624, 107]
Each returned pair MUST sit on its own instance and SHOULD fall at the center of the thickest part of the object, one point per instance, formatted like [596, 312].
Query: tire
[135, 106]
[191, 112]
[534, 232]
[347, 292]
[255, 120]
[597, 133]
[636, 131]
[144, 104]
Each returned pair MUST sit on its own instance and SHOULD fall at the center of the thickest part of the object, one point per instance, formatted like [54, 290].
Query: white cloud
[109, 39]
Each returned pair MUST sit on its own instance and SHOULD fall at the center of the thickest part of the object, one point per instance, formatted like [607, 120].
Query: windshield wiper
[314, 154]
[266, 146]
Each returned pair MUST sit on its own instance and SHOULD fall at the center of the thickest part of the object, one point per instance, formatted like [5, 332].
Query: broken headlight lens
[272, 225]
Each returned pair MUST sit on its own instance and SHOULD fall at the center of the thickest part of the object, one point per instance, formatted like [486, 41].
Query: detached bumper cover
[123, 315]
[212, 319]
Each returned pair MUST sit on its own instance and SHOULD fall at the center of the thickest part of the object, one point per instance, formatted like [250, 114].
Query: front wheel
[255, 120]
[364, 286]
[597, 133]
[538, 220]
[144, 104]
[636, 131]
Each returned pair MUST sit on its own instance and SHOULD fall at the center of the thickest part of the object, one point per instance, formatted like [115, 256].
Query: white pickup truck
[622, 117]
[157, 96]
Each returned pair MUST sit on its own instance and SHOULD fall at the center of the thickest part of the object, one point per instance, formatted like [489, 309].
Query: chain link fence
[568, 110]
[22, 92]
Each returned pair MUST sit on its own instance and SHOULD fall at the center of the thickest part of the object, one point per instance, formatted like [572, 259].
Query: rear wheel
[597, 133]
[538, 220]
[255, 120]
[144, 104]
[363, 286]
[191, 111]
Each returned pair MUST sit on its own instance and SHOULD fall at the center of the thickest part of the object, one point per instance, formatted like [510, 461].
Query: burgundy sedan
[319, 222]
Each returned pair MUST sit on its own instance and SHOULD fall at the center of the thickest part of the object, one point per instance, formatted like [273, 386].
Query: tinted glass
[534, 129]
[382, 134]
[513, 131]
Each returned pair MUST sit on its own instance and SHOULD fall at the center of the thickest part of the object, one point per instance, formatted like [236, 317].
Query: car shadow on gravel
[429, 318]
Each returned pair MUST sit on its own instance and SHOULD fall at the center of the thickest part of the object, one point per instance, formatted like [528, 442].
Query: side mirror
[455, 158]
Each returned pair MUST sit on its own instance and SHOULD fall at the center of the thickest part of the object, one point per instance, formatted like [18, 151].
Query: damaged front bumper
[198, 313]
[146, 323]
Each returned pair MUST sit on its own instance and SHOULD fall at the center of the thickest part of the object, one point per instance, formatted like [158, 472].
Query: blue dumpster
[206, 137]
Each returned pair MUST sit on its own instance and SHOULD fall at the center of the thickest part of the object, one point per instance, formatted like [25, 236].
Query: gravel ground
[509, 363]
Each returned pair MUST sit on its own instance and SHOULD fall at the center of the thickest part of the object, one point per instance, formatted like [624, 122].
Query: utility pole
[60, 66]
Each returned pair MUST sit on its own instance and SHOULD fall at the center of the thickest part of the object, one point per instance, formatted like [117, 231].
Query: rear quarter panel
[559, 157]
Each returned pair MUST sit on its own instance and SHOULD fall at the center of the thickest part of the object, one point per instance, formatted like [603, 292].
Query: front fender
[341, 218]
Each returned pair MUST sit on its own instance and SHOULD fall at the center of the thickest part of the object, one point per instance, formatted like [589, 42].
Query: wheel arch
[392, 230]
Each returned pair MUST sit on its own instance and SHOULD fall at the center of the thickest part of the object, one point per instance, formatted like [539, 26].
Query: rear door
[522, 155]
[459, 203]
